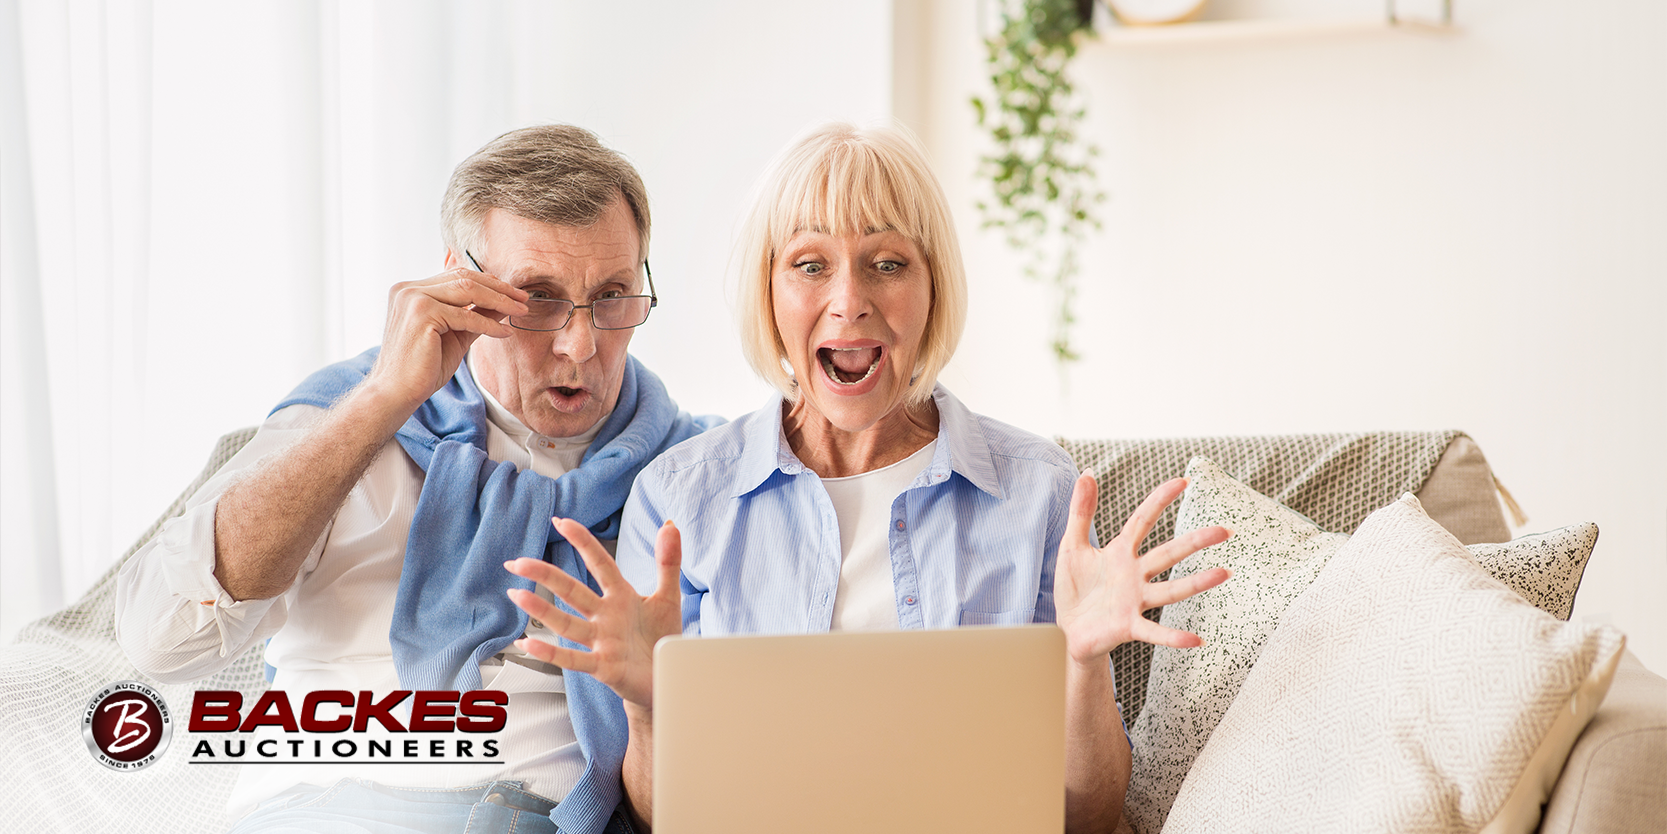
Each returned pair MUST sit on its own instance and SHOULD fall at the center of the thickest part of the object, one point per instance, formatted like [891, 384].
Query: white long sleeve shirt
[330, 629]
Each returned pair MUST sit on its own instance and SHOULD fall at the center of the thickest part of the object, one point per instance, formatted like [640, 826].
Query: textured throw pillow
[1405, 690]
[1545, 569]
[1275, 553]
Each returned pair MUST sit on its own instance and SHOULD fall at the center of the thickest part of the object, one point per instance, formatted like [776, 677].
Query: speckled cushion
[1275, 554]
[1405, 690]
[1545, 568]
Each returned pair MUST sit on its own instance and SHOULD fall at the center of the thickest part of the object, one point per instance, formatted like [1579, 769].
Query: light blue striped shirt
[972, 539]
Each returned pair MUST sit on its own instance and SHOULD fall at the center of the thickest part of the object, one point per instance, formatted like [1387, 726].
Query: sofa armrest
[1615, 779]
[46, 676]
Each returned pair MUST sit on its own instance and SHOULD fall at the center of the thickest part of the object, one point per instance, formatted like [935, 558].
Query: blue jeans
[357, 806]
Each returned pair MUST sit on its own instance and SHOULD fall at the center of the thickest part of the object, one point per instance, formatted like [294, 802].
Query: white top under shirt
[330, 629]
[867, 597]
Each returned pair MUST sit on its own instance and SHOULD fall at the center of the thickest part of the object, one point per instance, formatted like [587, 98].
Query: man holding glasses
[365, 527]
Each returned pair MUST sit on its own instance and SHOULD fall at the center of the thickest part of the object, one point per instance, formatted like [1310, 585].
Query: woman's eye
[889, 267]
[810, 267]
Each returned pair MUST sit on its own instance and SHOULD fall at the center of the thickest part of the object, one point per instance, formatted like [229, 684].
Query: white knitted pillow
[1274, 554]
[1405, 690]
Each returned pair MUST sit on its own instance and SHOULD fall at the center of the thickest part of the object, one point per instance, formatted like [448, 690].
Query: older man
[364, 528]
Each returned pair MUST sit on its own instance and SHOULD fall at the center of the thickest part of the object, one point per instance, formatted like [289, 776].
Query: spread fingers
[1170, 553]
[1147, 631]
[577, 629]
[571, 659]
[595, 555]
[569, 590]
[1174, 590]
[1084, 493]
[1146, 515]
[668, 552]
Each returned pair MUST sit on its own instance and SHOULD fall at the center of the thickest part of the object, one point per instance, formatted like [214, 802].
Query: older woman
[866, 496]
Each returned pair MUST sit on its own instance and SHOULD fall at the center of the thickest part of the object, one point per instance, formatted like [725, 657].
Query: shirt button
[900, 524]
[909, 600]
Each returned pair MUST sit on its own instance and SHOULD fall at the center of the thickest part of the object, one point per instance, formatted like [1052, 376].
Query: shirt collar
[962, 448]
[764, 450]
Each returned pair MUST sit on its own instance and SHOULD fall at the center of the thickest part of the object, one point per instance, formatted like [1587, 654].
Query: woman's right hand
[620, 627]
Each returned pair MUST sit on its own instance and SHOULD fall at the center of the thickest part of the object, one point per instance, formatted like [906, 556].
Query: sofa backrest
[1334, 479]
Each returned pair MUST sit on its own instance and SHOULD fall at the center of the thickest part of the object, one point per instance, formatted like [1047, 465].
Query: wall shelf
[1222, 31]
[1437, 21]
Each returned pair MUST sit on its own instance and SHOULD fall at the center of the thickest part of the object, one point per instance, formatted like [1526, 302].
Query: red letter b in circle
[127, 726]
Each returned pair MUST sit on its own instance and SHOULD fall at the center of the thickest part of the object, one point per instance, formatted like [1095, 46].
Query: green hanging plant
[1040, 173]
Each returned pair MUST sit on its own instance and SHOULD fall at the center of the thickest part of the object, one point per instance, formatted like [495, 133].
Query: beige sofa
[1615, 779]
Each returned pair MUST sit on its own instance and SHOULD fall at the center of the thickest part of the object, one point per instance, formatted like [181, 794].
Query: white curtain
[203, 201]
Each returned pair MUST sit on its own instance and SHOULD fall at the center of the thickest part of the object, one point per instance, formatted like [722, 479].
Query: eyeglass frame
[653, 301]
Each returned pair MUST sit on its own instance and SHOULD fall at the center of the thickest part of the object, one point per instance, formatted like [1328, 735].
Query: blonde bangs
[869, 197]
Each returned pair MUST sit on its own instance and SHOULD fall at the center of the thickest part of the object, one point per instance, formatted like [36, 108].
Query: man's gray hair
[558, 174]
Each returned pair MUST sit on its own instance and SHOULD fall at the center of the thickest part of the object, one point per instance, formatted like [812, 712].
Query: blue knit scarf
[451, 611]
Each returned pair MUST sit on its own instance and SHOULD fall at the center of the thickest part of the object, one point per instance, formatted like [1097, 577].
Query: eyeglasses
[618, 313]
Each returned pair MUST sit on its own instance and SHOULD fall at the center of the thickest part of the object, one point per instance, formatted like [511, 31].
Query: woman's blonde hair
[847, 180]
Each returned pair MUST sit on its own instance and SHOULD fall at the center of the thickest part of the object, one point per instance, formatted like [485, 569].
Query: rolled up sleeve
[173, 619]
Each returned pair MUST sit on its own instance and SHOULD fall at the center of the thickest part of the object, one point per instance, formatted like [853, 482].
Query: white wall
[1371, 231]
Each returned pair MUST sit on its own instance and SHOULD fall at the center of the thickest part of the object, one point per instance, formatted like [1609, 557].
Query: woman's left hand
[1101, 592]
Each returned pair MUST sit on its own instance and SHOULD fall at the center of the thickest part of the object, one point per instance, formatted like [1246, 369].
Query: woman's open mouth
[850, 366]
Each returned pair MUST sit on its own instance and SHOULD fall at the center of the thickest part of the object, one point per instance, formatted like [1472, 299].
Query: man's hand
[265, 525]
[1101, 592]
[431, 324]
[620, 627]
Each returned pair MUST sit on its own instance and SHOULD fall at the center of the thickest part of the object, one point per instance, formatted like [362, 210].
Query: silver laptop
[958, 730]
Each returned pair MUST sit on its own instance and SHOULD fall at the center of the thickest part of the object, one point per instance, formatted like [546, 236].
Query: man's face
[559, 383]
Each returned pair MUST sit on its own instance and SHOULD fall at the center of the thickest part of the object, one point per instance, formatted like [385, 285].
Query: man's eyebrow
[523, 281]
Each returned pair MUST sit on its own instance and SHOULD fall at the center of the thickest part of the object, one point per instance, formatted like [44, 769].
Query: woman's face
[851, 311]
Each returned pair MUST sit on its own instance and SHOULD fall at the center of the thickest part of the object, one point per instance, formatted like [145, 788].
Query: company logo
[336, 726]
[127, 726]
